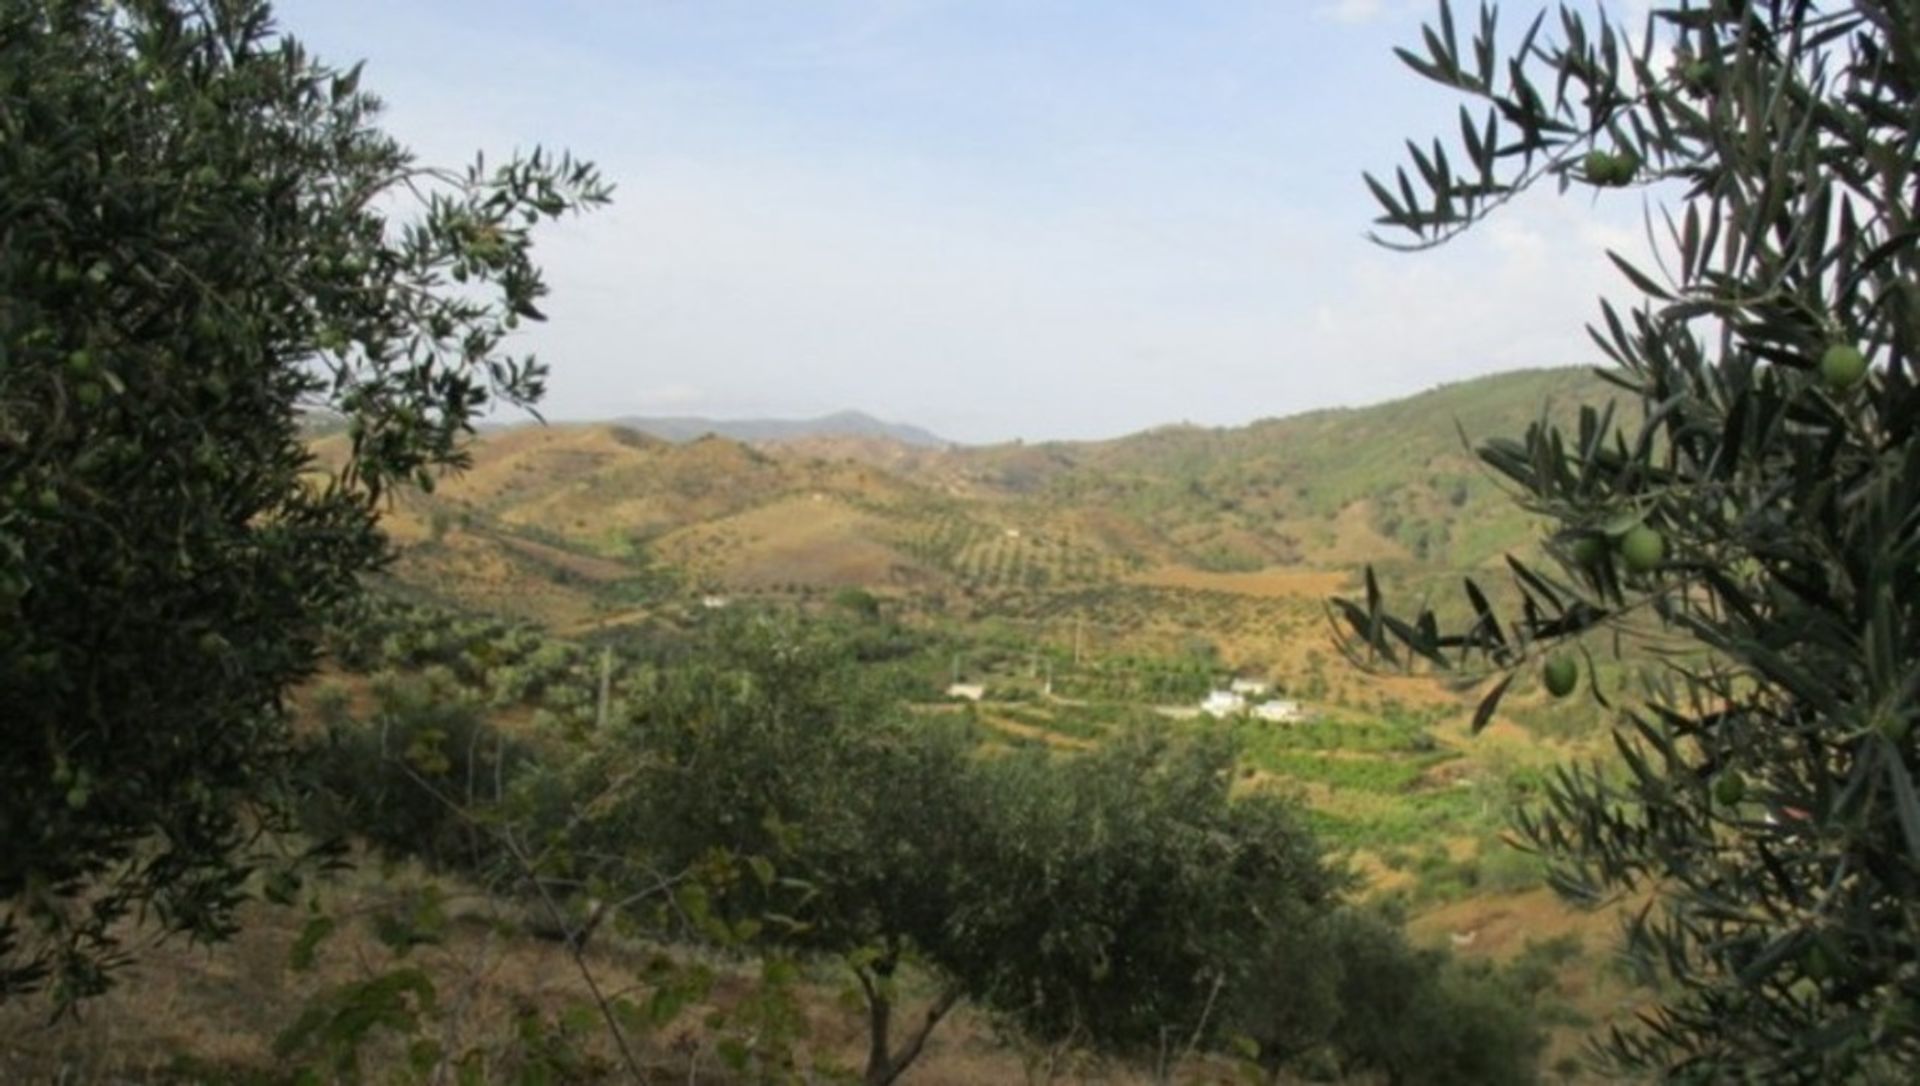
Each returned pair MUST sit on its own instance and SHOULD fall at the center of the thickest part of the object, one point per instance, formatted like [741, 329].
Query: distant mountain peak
[847, 423]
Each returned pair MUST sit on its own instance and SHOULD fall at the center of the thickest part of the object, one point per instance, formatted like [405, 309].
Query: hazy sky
[992, 218]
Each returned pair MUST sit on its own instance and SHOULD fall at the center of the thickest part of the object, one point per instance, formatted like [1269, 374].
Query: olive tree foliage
[1763, 503]
[838, 819]
[1125, 900]
[203, 237]
[1418, 1016]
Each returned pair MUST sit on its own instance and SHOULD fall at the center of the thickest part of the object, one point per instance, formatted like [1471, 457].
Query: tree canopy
[205, 241]
[1761, 507]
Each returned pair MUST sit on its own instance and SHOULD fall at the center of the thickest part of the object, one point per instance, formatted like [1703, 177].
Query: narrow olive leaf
[1411, 637]
[1411, 201]
[1640, 279]
[1533, 31]
[1854, 795]
[1489, 704]
[1394, 212]
[1367, 629]
[1488, 621]
[1905, 804]
[1726, 458]
[1594, 685]
[1412, 60]
[1535, 582]
[1483, 46]
[1899, 243]
[1470, 138]
[1443, 59]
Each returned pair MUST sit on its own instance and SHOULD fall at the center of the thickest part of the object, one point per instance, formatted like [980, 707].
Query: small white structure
[1013, 533]
[1251, 688]
[1223, 703]
[967, 691]
[1280, 711]
[713, 603]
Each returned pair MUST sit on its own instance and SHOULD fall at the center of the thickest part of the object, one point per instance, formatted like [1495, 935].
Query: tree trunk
[880, 1070]
[885, 1066]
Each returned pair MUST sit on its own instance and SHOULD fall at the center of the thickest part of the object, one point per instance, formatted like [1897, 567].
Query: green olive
[1842, 367]
[1562, 674]
[1643, 548]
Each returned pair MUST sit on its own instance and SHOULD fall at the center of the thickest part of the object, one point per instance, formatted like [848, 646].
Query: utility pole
[606, 686]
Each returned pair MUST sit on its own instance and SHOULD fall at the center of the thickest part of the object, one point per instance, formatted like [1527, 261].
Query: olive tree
[1115, 899]
[1127, 901]
[205, 240]
[832, 817]
[1760, 506]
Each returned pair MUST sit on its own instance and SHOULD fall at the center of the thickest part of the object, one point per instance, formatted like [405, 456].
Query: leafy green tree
[1417, 1017]
[1124, 898]
[770, 751]
[1284, 1010]
[1761, 505]
[205, 236]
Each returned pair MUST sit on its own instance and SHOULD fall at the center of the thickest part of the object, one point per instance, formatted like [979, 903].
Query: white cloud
[1351, 11]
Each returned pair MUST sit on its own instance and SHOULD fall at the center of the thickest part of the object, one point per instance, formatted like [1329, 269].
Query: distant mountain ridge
[838, 424]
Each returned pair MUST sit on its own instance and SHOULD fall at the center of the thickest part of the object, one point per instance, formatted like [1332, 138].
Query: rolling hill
[564, 522]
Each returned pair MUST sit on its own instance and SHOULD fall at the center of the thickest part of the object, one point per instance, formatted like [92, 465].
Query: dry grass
[187, 1014]
[811, 539]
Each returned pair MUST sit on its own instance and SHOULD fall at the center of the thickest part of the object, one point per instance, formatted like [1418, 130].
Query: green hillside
[1276, 492]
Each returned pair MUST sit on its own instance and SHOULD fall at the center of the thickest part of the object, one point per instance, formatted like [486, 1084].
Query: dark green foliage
[857, 602]
[770, 749]
[197, 242]
[1783, 484]
[1343, 986]
[1417, 1017]
[415, 778]
[1120, 898]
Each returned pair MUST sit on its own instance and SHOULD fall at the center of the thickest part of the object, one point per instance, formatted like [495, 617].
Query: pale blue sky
[993, 218]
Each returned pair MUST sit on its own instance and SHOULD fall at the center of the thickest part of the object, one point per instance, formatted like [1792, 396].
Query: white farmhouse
[1280, 711]
[1251, 688]
[967, 691]
[1223, 703]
